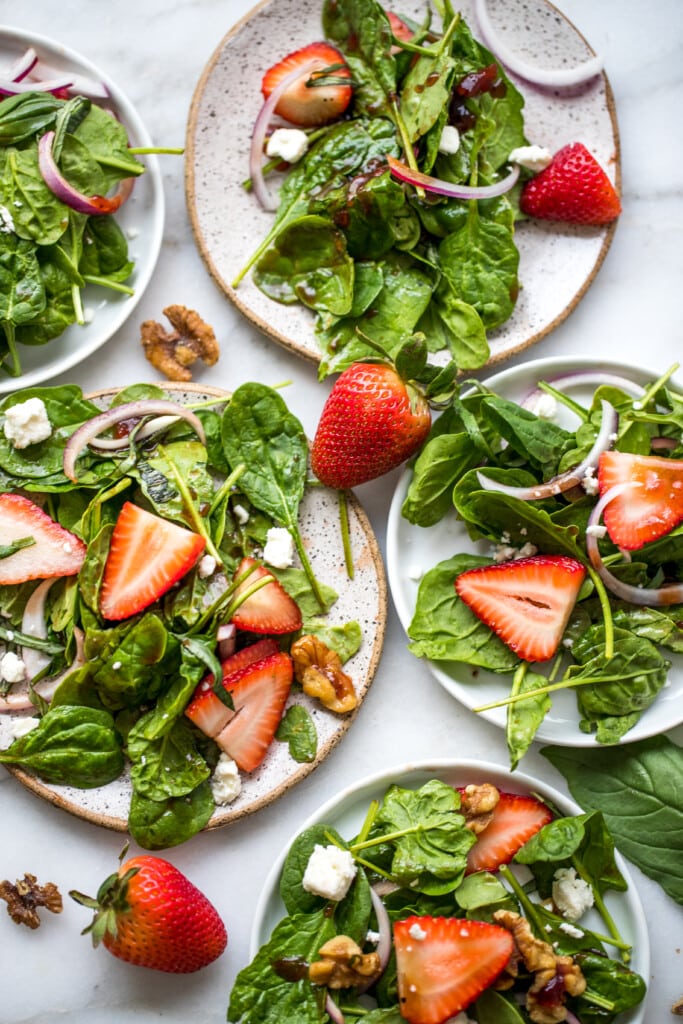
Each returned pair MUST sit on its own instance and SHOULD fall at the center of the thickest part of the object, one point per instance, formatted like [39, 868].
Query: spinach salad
[118, 709]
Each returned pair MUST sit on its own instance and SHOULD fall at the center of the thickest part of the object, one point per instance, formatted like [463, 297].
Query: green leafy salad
[107, 634]
[602, 498]
[375, 261]
[440, 876]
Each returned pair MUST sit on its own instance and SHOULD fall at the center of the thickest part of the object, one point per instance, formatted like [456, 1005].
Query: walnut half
[172, 353]
[319, 670]
[343, 964]
[26, 897]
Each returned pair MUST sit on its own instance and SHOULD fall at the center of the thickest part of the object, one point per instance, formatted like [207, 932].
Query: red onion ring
[81, 84]
[570, 380]
[663, 443]
[22, 66]
[384, 927]
[333, 1011]
[671, 593]
[117, 444]
[57, 183]
[440, 187]
[21, 700]
[33, 624]
[129, 410]
[553, 77]
[571, 477]
[11, 88]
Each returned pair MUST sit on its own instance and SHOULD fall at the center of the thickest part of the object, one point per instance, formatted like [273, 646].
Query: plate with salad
[340, 247]
[442, 861]
[80, 255]
[542, 597]
[188, 628]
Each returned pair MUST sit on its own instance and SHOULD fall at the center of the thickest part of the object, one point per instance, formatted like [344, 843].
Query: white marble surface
[156, 52]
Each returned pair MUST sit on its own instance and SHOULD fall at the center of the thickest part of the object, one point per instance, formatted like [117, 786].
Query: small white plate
[346, 812]
[557, 262]
[141, 218]
[413, 548]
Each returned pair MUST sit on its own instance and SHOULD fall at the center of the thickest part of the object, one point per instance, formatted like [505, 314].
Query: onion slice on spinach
[33, 624]
[566, 381]
[654, 597]
[384, 926]
[91, 429]
[440, 187]
[57, 183]
[22, 66]
[571, 477]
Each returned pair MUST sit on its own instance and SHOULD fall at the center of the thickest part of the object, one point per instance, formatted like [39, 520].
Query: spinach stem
[654, 388]
[564, 684]
[345, 533]
[144, 150]
[597, 1000]
[602, 908]
[374, 868]
[369, 821]
[190, 506]
[106, 282]
[308, 569]
[564, 400]
[606, 609]
[529, 908]
[226, 487]
[78, 305]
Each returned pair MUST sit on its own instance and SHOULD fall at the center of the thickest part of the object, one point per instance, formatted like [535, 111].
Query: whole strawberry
[371, 422]
[151, 915]
[573, 187]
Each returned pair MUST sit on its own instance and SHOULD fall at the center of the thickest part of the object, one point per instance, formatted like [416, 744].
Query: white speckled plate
[412, 550]
[346, 812]
[557, 262]
[363, 599]
[141, 219]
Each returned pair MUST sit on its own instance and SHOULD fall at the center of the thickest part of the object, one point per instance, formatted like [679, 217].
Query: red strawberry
[399, 30]
[147, 555]
[649, 509]
[151, 915]
[526, 602]
[303, 102]
[515, 820]
[259, 693]
[444, 964]
[573, 187]
[371, 422]
[268, 610]
[56, 551]
[208, 711]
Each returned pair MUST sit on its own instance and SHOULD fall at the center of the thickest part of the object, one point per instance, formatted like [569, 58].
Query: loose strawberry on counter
[41, 547]
[574, 188]
[319, 94]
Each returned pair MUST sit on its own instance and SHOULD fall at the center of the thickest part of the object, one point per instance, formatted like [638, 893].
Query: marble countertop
[156, 52]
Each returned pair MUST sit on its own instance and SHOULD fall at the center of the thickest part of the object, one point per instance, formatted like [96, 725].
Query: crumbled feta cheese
[116, 666]
[226, 783]
[449, 143]
[206, 567]
[88, 314]
[289, 144]
[534, 158]
[6, 221]
[571, 895]
[279, 549]
[329, 872]
[241, 514]
[23, 726]
[544, 406]
[589, 482]
[506, 552]
[571, 930]
[12, 668]
[27, 423]
[596, 530]
[415, 572]
[132, 232]
[416, 932]
[372, 937]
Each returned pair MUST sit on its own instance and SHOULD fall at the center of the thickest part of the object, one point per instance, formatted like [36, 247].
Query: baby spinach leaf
[455, 325]
[344, 639]
[107, 141]
[298, 730]
[525, 716]
[440, 464]
[620, 987]
[539, 441]
[132, 672]
[493, 1008]
[170, 766]
[296, 899]
[361, 30]
[38, 215]
[159, 824]
[22, 295]
[25, 115]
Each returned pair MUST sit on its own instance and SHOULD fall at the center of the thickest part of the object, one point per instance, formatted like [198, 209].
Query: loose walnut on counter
[343, 964]
[26, 897]
[319, 670]
[173, 353]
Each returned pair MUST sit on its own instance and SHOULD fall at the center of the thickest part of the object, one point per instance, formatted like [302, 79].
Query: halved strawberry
[147, 555]
[304, 102]
[526, 602]
[55, 551]
[573, 187]
[444, 963]
[259, 693]
[399, 30]
[649, 509]
[270, 609]
[515, 820]
[207, 710]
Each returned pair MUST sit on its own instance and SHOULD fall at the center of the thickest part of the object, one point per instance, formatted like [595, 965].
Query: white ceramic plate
[557, 262]
[413, 549]
[362, 599]
[346, 812]
[141, 219]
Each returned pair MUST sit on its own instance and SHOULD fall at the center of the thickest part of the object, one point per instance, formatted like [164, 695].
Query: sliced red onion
[553, 77]
[45, 688]
[258, 138]
[333, 1011]
[116, 444]
[81, 84]
[588, 378]
[654, 597]
[226, 639]
[22, 66]
[663, 443]
[571, 477]
[384, 928]
[129, 410]
[440, 187]
[12, 88]
[58, 184]
[33, 624]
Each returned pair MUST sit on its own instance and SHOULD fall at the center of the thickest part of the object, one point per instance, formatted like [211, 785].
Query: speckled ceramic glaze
[362, 599]
[557, 262]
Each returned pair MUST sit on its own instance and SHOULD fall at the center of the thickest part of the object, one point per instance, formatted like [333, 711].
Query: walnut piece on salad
[319, 670]
[343, 964]
[25, 898]
[174, 352]
[478, 802]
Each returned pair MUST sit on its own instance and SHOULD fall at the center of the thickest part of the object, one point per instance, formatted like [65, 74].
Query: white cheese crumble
[415, 572]
[206, 567]
[372, 937]
[6, 221]
[596, 530]
[288, 144]
[589, 481]
[241, 514]
[416, 932]
[449, 143]
[27, 423]
[23, 726]
[571, 930]
[12, 668]
[329, 872]
[226, 783]
[571, 895]
[506, 552]
[544, 406]
[279, 549]
[534, 158]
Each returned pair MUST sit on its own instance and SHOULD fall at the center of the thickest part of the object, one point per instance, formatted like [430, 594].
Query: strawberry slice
[515, 820]
[444, 964]
[303, 102]
[526, 602]
[573, 187]
[649, 509]
[208, 711]
[147, 555]
[269, 610]
[259, 693]
[55, 551]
